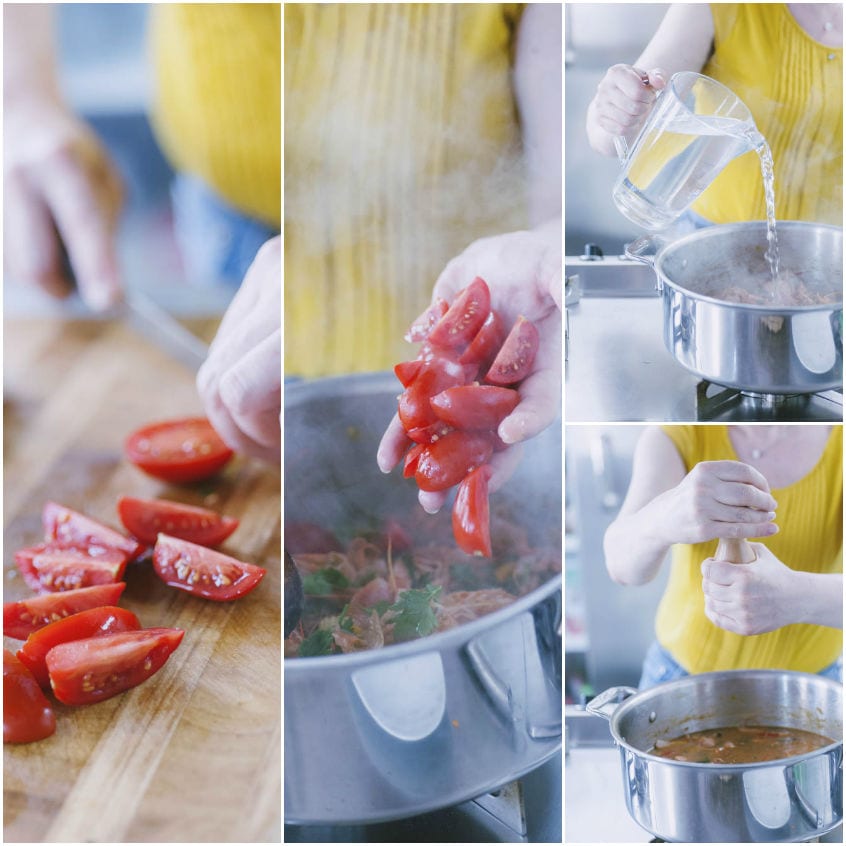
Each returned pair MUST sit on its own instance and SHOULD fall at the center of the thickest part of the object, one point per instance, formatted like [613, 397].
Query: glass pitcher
[696, 127]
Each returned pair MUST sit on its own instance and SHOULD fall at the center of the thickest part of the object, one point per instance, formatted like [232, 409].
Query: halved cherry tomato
[94, 621]
[471, 521]
[57, 567]
[420, 329]
[475, 406]
[447, 461]
[145, 518]
[515, 359]
[184, 450]
[407, 371]
[27, 714]
[484, 347]
[434, 376]
[428, 434]
[22, 618]
[203, 571]
[464, 317]
[71, 528]
[95, 668]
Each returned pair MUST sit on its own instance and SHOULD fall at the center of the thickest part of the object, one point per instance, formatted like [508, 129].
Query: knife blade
[160, 327]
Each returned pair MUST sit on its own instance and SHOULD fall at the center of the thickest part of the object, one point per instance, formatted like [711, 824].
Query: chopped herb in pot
[322, 582]
[414, 615]
[319, 642]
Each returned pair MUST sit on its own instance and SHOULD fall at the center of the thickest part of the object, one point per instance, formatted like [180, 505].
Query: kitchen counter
[193, 754]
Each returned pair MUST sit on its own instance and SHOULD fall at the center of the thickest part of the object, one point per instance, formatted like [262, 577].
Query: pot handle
[644, 249]
[607, 702]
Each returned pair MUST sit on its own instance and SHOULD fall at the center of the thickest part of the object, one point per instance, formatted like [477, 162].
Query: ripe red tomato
[448, 460]
[27, 714]
[94, 621]
[184, 450]
[464, 317]
[203, 571]
[95, 668]
[471, 522]
[475, 406]
[409, 466]
[57, 567]
[434, 376]
[70, 528]
[514, 360]
[145, 518]
[421, 327]
[483, 348]
[22, 618]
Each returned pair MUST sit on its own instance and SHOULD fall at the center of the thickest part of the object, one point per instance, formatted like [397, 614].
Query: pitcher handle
[622, 148]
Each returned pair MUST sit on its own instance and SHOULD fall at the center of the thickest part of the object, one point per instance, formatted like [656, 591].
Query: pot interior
[728, 263]
[714, 700]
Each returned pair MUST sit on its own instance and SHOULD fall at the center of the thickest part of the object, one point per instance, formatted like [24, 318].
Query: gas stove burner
[733, 404]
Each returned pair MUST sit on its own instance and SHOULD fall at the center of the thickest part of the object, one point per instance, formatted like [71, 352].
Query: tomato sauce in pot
[740, 745]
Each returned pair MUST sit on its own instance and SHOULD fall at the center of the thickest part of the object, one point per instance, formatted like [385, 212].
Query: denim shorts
[217, 243]
[659, 666]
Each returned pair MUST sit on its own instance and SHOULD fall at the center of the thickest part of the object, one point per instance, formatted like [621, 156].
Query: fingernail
[101, 297]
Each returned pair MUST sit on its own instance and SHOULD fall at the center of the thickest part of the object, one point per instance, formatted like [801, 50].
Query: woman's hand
[240, 382]
[717, 499]
[762, 596]
[623, 99]
[59, 184]
[524, 273]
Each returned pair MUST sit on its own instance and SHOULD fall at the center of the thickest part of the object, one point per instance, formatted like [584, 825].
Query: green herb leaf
[322, 582]
[319, 642]
[415, 616]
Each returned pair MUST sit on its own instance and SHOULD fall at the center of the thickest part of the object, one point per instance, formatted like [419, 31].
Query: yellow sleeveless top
[793, 85]
[401, 148]
[810, 518]
[216, 108]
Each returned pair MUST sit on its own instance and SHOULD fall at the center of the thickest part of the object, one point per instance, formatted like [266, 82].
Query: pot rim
[667, 687]
[716, 231]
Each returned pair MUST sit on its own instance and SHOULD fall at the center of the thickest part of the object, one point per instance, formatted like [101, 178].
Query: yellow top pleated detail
[793, 85]
[402, 146]
[216, 108]
[810, 518]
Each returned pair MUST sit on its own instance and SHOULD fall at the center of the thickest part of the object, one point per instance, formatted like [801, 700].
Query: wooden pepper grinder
[735, 550]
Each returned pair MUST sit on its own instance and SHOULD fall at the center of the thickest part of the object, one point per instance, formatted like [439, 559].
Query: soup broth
[740, 745]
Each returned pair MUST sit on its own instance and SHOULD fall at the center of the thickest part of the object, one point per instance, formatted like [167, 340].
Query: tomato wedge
[95, 668]
[94, 621]
[69, 527]
[203, 571]
[483, 348]
[434, 376]
[464, 317]
[422, 326]
[145, 518]
[27, 714]
[57, 567]
[184, 450]
[448, 460]
[22, 618]
[514, 361]
[409, 465]
[475, 406]
[471, 521]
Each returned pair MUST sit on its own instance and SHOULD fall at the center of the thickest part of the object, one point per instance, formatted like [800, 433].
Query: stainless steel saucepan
[725, 321]
[426, 724]
[782, 801]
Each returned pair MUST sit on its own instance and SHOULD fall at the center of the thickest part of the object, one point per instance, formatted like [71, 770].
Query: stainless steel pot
[417, 726]
[764, 348]
[789, 800]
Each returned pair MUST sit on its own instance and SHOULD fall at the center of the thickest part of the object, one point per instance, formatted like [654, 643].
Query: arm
[57, 177]
[664, 505]
[765, 595]
[537, 85]
[682, 42]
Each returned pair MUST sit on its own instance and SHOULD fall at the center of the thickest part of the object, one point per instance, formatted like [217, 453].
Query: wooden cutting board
[193, 754]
